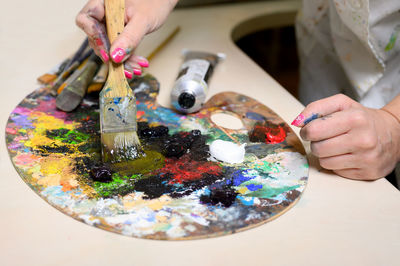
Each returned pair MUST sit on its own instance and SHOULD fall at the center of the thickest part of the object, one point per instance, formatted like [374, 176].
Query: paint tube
[190, 88]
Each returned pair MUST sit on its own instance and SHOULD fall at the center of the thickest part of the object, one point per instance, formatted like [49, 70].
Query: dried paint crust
[178, 191]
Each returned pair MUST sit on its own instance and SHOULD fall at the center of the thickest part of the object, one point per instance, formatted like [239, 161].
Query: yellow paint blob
[58, 170]
[158, 204]
[242, 190]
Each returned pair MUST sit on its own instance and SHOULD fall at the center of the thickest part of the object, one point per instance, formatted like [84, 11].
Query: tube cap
[186, 100]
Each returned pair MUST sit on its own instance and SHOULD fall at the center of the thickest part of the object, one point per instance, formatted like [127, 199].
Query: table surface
[336, 222]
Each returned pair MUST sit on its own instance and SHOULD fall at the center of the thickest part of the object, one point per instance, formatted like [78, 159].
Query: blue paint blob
[22, 120]
[247, 201]
[311, 118]
[117, 100]
[254, 187]
[255, 116]
[151, 217]
[111, 109]
[238, 177]
[161, 115]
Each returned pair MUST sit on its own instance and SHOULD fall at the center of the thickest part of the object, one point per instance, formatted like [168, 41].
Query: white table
[336, 222]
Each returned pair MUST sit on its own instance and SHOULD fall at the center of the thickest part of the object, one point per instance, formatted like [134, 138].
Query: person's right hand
[350, 139]
[141, 18]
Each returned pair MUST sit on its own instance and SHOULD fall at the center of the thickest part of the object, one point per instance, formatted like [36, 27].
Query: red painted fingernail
[143, 62]
[104, 56]
[137, 72]
[118, 55]
[128, 74]
[299, 119]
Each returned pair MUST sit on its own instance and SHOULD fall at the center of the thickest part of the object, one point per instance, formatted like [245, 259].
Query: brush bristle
[120, 146]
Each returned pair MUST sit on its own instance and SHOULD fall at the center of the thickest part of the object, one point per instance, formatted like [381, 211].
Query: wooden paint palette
[179, 191]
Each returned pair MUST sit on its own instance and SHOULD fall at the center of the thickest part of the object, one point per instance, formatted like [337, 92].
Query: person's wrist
[391, 112]
[394, 127]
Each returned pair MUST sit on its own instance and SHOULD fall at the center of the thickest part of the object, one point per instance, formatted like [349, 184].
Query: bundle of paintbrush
[82, 73]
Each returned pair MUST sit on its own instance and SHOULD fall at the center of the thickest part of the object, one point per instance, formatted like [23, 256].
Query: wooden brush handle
[115, 14]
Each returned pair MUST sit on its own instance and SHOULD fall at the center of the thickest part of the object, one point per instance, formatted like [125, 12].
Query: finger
[345, 161]
[88, 20]
[128, 73]
[339, 145]
[130, 37]
[135, 63]
[359, 143]
[328, 126]
[358, 174]
[352, 173]
[135, 69]
[322, 108]
[138, 60]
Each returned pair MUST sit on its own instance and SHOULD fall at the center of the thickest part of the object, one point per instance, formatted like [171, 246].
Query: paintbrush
[51, 75]
[77, 59]
[99, 80]
[72, 95]
[72, 77]
[118, 126]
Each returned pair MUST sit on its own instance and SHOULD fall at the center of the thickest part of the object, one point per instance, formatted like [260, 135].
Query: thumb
[323, 107]
[130, 37]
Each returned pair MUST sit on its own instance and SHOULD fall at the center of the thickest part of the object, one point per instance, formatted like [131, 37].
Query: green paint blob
[67, 136]
[162, 227]
[267, 167]
[120, 185]
[127, 173]
[216, 133]
[267, 192]
[393, 39]
[151, 160]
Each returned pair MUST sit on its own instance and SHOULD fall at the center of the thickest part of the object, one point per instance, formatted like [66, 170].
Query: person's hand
[354, 141]
[141, 18]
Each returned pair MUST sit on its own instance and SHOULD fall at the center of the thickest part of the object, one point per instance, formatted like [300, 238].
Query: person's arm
[352, 140]
[141, 18]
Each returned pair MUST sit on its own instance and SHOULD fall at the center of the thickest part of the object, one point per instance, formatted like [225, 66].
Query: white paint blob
[227, 151]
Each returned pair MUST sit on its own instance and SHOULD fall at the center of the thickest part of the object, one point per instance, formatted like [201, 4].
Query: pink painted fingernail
[299, 119]
[143, 62]
[104, 56]
[137, 72]
[118, 55]
[128, 74]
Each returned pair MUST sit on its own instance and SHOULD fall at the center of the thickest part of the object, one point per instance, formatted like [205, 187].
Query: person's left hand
[141, 18]
[354, 141]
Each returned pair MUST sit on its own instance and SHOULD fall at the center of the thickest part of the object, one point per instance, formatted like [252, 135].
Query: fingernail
[104, 56]
[137, 72]
[299, 119]
[128, 74]
[143, 62]
[118, 55]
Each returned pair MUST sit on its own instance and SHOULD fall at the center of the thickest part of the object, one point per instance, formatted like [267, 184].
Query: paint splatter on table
[178, 191]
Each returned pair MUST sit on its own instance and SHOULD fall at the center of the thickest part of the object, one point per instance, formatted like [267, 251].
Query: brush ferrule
[119, 114]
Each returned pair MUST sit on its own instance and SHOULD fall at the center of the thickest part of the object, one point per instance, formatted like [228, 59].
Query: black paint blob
[101, 174]
[223, 195]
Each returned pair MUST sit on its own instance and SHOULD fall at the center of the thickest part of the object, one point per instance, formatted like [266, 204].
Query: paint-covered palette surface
[179, 190]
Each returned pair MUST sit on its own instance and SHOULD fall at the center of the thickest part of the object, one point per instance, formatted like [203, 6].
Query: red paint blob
[276, 135]
[270, 135]
[98, 42]
[185, 169]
